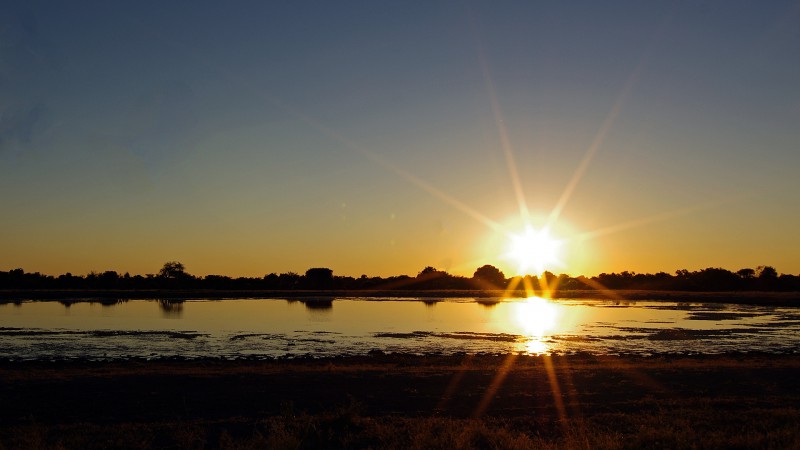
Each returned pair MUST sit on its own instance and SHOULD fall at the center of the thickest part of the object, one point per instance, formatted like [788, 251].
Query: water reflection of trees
[324, 303]
[104, 302]
[171, 307]
[488, 302]
[110, 301]
[622, 302]
[319, 308]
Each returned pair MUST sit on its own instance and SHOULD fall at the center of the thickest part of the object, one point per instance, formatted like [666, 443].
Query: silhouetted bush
[489, 277]
[318, 278]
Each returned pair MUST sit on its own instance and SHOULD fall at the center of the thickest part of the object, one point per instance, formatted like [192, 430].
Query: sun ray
[660, 217]
[529, 289]
[505, 142]
[506, 146]
[438, 193]
[455, 382]
[596, 143]
[610, 293]
[547, 291]
[555, 389]
[381, 161]
[511, 287]
[497, 381]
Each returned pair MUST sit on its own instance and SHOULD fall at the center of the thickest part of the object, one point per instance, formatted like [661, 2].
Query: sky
[378, 138]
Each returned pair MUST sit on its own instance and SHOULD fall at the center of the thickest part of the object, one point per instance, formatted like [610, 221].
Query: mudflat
[401, 401]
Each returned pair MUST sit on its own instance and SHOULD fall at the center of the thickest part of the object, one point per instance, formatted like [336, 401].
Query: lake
[263, 328]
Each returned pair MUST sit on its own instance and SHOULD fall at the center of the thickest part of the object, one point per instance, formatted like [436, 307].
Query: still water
[256, 328]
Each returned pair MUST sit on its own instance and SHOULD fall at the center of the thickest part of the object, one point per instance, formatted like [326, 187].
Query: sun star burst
[534, 250]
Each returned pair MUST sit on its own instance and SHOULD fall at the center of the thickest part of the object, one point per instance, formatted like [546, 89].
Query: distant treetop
[173, 275]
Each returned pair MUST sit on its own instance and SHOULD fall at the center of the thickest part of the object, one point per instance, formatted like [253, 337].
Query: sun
[535, 250]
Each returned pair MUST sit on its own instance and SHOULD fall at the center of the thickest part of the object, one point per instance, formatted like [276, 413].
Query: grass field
[406, 401]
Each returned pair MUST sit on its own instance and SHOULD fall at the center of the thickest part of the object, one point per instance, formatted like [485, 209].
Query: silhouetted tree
[549, 280]
[746, 274]
[426, 272]
[716, 279]
[431, 278]
[173, 276]
[319, 278]
[173, 270]
[288, 280]
[567, 283]
[108, 279]
[767, 278]
[767, 273]
[218, 282]
[787, 282]
[491, 276]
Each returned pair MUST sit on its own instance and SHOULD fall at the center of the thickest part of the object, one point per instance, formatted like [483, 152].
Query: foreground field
[401, 401]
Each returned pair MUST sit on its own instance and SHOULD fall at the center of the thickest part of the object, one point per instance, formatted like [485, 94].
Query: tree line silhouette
[173, 275]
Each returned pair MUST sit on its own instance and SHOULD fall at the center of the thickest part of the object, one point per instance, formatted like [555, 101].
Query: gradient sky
[382, 137]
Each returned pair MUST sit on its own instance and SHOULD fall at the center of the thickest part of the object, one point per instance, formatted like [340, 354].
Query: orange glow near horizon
[531, 247]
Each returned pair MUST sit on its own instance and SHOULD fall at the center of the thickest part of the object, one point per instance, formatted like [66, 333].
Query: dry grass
[734, 401]
[678, 429]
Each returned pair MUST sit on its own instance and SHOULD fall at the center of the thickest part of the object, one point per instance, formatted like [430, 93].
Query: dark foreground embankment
[399, 401]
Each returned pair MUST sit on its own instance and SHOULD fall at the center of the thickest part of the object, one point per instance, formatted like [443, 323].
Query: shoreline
[769, 298]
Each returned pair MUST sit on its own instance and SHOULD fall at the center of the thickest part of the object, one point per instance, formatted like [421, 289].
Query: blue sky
[261, 137]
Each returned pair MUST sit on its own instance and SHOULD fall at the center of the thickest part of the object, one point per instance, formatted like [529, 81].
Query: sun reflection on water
[536, 317]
